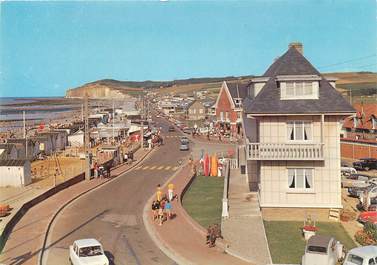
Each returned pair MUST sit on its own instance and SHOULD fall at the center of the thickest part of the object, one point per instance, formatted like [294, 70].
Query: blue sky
[48, 47]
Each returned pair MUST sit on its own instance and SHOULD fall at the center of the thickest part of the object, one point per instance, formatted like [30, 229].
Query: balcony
[271, 151]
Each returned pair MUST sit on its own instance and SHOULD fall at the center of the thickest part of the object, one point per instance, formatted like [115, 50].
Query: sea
[40, 109]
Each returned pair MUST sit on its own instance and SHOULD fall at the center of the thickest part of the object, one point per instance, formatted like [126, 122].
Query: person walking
[159, 193]
[154, 210]
[160, 215]
[170, 191]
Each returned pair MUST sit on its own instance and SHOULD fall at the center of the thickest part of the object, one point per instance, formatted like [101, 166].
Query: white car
[88, 252]
[346, 171]
[321, 250]
[362, 256]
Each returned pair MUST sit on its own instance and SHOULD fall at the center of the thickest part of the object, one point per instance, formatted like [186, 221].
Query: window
[299, 90]
[354, 259]
[194, 111]
[299, 131]
[221, 115]
[201, 111]
[226, 115]
[238, 115]
[300, 178]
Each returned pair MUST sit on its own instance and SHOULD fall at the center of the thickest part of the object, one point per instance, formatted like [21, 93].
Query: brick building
[228, 106]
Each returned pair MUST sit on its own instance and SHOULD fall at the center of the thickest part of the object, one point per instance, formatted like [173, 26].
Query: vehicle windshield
[354, 259]
[90, 251]
[317, 249]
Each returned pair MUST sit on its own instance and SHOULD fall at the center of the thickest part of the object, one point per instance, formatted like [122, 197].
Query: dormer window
[299, 90]
[237, 102]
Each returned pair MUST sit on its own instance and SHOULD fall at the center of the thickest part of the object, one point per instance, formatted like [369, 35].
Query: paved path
[113, 213]
[183, 240]
[244, 229]
[25, 241]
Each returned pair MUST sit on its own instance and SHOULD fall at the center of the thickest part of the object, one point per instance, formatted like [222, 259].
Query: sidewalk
[181, 238]
[244, 229]
[26, 239]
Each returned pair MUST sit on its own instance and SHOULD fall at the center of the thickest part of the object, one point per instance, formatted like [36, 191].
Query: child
[168, 208]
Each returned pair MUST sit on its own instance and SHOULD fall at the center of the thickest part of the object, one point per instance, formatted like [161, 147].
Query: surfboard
[206, 165]
[214, 166]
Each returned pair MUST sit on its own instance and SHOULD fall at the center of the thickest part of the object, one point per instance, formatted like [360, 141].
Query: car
[368, 216]
[361, 256]
[357, 192]
[171, 129]
[365, 164]
[88, 252]
[355, 180]
[184, 147]
[184, 140]
[346, 170]
[187, 130]
[321, 250]
[203, 130]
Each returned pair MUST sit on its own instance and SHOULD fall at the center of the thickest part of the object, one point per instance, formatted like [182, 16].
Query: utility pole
[142, 122]
[86, 138]
[24, 119]
[113, 123]
[82, 112]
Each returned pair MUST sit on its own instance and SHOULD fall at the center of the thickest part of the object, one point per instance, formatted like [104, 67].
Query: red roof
[365, 113]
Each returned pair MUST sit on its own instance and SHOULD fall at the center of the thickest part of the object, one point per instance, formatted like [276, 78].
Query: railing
[233, 162]
[274, 151]
[225, 207]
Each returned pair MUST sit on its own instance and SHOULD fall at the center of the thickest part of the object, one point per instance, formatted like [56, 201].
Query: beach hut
[15, 173]
[76, 139]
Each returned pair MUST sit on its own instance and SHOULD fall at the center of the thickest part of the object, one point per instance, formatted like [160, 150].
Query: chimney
[298, 46]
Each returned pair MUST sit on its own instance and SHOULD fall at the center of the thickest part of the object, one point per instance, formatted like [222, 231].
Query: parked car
[365, 164]
[203, 130]
[187, 130]
[171, 129]
[87, 251]
[365, 217]
[184, 140]
[355, 180]
[347, 170]
[184, 147]
[366, 255]
[321, 250]
[357, 192]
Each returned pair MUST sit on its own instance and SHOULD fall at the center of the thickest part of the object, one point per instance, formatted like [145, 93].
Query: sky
[47, 47]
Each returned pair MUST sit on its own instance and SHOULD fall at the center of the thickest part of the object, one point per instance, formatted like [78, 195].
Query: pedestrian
[126, 158]
[170, 191]
[155, 207]
[209, 232]
[95, 170]
[159, 193]
[131, 156]
[160, 215]
[208, 136]
[168, 209]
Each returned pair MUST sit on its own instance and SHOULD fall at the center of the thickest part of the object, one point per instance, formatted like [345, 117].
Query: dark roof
[237, 90]
[294, 63]
[319, 240]
[12, 163]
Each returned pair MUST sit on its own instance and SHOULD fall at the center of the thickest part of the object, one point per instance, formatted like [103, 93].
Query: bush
[367, 236]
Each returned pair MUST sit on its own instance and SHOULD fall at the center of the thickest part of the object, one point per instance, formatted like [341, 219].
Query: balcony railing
[271, 151]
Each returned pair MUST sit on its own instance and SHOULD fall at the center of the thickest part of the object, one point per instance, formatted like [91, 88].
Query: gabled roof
[193, 102]
[237, 90]
[233, 91]
[294, 63]
[365, 114]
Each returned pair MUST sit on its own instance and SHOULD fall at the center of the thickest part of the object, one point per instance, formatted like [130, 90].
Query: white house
[292, 134]
[15, 173]
[76, 139]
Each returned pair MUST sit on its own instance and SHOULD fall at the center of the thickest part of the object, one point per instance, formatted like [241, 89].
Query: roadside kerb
[40, 256]
[160, 243]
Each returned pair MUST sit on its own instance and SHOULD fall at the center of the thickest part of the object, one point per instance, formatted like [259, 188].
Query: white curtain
[290, 133]
[308, 178]
[289, 89]
[291, 178]
[307, 131]
[299, 131]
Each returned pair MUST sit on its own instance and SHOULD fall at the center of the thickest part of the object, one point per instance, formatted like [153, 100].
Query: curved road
[113, 213]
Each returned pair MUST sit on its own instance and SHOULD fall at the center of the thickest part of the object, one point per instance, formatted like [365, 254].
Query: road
[113, 213]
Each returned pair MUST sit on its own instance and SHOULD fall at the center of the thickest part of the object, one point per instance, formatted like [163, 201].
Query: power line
[348, 61]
